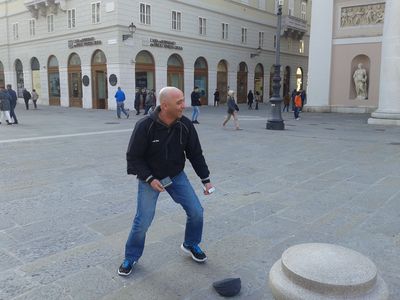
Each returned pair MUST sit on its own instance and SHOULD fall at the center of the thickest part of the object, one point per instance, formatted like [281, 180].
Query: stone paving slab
[67, 204]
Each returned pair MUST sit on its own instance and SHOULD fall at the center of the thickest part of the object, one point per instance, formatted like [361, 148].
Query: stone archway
[175, 72]
[145, 71]
[35, 68]
[222, 80]
[75, 80]
[201, 78]
[53, 75]
[99, 80]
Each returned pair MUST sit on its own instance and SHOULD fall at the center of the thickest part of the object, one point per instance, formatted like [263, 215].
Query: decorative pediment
[45, 7]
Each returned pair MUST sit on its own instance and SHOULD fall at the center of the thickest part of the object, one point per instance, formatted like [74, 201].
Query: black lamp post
[275, 122]
[132, 29]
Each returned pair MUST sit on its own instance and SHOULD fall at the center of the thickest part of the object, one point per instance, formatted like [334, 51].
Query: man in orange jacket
[297, 105]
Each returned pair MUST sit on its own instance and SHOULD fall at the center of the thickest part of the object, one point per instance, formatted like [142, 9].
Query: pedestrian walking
[138, 96]
[216, 97]
[232, 110]
[26, 95]
[157, 150]
[120, 99]
[250, 99]
[258, 99]
[294, 93]
[35, 97]
[297, 106]
[5, 106]
[150, 101]
[303, 99]
[195, 97]
[286, 102]
[13, 103]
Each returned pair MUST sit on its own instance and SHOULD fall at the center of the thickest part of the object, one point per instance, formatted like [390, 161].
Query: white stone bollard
[325, 271]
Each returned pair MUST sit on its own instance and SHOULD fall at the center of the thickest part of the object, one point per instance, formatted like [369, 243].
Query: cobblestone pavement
[67, 203]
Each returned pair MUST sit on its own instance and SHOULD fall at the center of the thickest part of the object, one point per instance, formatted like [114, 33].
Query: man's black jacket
[156, 150]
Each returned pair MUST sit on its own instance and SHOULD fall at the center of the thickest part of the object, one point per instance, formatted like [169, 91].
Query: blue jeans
[296, 112]
[120, 107]
[181, 192]
[196, 111]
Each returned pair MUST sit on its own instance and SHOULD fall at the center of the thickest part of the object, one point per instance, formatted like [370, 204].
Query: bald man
[158, 148]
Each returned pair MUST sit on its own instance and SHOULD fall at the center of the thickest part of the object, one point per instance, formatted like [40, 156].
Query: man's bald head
[169, 93]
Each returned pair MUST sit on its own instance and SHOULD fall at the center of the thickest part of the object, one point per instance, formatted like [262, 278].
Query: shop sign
[83, 42]
[164, 44]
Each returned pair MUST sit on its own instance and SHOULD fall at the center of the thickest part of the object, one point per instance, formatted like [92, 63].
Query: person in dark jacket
[138, 96]
[195, 97]
[5, 106]
[13, 102]
[158, 148]
[26, 96]
[216, 97]
[232, 110]
[250, 99]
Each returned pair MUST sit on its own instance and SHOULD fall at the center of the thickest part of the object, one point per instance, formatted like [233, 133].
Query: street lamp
[132, 29]
[275, 122]
[256, 54]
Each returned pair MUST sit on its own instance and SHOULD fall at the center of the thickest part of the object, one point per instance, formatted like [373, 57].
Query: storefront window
[201, 78]
[54, 84]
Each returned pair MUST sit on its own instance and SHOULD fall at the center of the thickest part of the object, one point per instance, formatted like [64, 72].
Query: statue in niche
[360, 82]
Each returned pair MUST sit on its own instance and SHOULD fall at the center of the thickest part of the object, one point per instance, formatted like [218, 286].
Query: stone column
[388, 112]
[319, 64]
[64, 97]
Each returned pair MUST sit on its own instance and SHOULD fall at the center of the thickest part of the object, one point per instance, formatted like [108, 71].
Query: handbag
[236, 107]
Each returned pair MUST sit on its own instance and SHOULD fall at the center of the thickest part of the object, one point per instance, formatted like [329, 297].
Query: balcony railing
[44, 7]
[293, 27]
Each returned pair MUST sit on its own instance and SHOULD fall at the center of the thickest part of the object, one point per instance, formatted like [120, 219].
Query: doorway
[99, 80]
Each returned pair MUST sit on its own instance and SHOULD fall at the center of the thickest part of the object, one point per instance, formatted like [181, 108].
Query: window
[301, 46]
[202, 26]
[32, 27]
[145, 14]
[274, 41]
[261, 39]
[244, 35]
[225, 31]
[176, 20]
[96, 12]
[291, 8]
[304, 10]
[50, 23]
[71, 18]
[15, 31]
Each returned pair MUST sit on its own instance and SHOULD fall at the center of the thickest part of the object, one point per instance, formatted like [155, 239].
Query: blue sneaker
[125, 269]
[195, 251]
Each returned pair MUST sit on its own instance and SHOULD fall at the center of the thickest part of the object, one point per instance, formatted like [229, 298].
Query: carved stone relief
[362, 15]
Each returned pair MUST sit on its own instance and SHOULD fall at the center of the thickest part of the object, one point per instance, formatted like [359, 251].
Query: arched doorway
[299, 79]
[99, 80]
[201, 78]
[259, 81]
[54, 81]
[2, 80]
[242, 83]
[271, 82]
[175, 72]
[19, 70]
[75, 80]
[35, 67]
[144, 71]
[286, 81]
[222, 80]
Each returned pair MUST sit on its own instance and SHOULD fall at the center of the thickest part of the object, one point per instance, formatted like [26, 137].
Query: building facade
[354, 58]
[76, 53]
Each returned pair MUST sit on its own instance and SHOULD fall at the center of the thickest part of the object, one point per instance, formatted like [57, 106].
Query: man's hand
[207, 187]
[157, 186]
